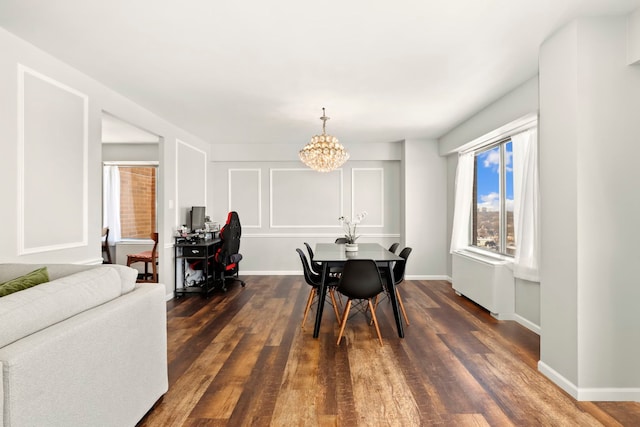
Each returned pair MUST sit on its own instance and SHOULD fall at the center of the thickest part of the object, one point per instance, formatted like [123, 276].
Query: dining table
[335, 255]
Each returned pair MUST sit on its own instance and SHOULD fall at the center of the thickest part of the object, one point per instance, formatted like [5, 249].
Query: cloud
[492, 159]
[491, 203]
[509, 205]
[509, 160]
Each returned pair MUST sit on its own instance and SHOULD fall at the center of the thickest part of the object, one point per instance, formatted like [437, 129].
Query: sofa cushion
[28, 311]
[33, 278]
[128, 275]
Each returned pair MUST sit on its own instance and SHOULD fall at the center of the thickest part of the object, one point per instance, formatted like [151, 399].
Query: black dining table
[335, 255]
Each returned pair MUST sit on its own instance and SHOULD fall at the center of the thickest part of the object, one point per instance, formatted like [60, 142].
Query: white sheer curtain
[111, 202]
[463, 199]
[526, 215]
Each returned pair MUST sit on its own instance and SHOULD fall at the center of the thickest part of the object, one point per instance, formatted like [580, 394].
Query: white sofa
[87, 348]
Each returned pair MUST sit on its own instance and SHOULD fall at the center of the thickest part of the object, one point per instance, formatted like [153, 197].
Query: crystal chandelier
[323, 153]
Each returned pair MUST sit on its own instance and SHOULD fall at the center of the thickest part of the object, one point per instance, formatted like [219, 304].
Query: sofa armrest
[105, 366]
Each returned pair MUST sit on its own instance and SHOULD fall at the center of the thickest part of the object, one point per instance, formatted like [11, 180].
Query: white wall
[425, 209]
[589, 128]
[420, 207]
[559, 210]
[130, 152]
[520, 102]
[282, 204]
[633, 38]
[59, 82]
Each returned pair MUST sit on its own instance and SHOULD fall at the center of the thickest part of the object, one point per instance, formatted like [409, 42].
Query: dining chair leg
[375, 320]
[309, 301]
[404, 313]
[339, 299]
[375, 306]
[344, 320]
[332, 294]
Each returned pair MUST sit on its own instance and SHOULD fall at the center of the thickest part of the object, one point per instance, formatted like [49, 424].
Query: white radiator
[488, 282]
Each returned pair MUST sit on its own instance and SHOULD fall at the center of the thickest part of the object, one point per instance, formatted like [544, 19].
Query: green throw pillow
[36, 277]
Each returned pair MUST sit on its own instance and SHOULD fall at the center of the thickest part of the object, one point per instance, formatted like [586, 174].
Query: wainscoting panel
[245, 195]
[317, 197]
[191, 179]
[367, 194]
[52, 164]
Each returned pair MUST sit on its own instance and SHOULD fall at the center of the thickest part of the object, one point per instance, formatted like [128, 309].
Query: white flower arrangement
[351, 225]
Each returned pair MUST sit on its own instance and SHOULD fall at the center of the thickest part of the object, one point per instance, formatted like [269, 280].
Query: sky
[489, 179]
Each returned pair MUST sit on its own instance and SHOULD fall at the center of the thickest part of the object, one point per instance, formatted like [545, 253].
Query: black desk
[332, 254]
[203, 250]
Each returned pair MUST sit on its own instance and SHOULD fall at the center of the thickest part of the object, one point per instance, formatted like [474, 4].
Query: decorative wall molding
[354, 171]
[83, 142]
[312, 192]
[259, 187]
[177, 167]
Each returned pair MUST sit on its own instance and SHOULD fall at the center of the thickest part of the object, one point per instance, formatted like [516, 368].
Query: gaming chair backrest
[230, 236]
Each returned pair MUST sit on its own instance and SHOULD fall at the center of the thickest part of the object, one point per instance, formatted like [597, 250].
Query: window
[137, 201]
[129, 200]
[492, 220]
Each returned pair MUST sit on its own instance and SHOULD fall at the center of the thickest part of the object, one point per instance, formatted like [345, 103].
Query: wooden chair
[105, 245]
[147, 257]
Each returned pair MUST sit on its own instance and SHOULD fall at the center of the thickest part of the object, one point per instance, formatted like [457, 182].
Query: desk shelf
[203, 251]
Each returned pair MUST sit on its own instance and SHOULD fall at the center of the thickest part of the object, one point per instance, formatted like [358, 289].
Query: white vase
[351, 247]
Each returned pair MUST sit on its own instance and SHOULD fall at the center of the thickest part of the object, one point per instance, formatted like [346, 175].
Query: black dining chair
[360, 280]
[314, 280]
[341, 240]
[394, 247]
[316, 267]
[398, 277]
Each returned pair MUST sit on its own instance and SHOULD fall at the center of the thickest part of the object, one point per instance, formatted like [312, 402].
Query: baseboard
[270, 273]
[299, 273]
[558, 379]
[608, 394]
[427, 277]
[527, 324]
[602, 394]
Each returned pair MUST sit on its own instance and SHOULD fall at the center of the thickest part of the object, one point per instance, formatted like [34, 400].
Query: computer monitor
[197, 218]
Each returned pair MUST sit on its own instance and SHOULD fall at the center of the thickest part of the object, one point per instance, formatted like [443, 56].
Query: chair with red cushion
[227, 256]
[148, 257]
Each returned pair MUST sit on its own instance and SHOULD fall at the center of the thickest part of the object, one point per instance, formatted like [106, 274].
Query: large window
[493, 199]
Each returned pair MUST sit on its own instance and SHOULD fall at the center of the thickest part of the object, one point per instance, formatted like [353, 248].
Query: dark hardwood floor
[242, 359]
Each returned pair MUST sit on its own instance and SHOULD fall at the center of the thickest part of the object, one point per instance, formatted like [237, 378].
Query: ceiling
[260, 71]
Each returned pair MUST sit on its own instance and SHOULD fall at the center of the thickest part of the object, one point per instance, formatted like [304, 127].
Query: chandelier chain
[324, 119]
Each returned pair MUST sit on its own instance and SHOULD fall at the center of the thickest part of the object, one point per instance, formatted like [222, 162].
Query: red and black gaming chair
[228, 256]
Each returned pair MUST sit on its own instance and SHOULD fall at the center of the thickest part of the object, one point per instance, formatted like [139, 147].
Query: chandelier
[323, 153]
